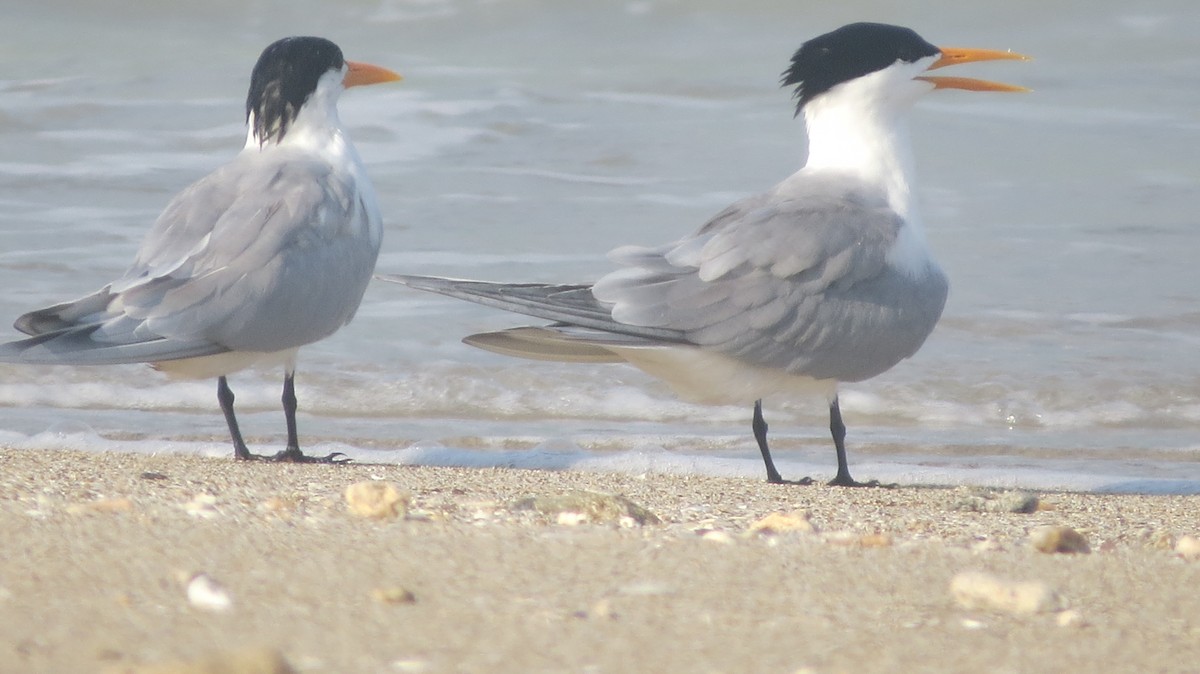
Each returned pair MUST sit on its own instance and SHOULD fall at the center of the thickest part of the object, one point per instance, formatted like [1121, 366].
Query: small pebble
[1056, 539]
[646, 588]
[991, 501]
[410, 666]
[578, 506]
[202, 505]
[1161, 540]
[107, 505]
[986, 545]
[1188, 547]
[844, 539]
[571, 519]
[376, 500]
[257, 661]
[205, 593]
[875, 541]
[1070, 618]
[277, 505]
[601, 610]
[783, 523]
[978, 590]
[393, 595]
[718, 537]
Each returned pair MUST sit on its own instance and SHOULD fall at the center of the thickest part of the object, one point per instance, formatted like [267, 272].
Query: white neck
[860, 128]
[870, 142]
[317, 125]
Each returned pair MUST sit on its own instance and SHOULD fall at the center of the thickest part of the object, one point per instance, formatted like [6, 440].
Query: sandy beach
[172, 563]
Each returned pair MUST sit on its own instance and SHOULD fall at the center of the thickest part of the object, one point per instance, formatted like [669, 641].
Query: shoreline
[488, 571]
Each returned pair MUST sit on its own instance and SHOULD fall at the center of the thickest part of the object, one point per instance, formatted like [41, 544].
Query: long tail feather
[573, 304]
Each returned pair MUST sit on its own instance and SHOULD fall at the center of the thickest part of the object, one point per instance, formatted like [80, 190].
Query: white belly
[713, 378]
[209, 367]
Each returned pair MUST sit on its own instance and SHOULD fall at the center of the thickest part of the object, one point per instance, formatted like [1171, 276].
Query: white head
[855, 86]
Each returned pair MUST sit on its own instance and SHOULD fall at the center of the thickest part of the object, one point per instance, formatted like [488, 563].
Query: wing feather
[265, 254]
[796, 279]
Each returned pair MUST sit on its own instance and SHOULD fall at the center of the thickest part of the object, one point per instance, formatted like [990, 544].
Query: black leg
[225, 398]
[760, 434]
[759, 425]
[289, 410]
[838, 430]
[293, 453]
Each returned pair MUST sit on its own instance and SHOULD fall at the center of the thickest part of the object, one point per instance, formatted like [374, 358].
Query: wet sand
[170, 563]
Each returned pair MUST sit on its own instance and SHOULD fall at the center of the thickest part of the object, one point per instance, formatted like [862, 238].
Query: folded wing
[796, 280]
[256, 256]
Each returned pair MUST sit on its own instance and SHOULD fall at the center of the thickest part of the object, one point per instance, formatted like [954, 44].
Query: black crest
[284, 77]
[851, 51]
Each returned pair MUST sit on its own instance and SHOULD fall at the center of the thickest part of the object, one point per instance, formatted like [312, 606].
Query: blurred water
[531, 137]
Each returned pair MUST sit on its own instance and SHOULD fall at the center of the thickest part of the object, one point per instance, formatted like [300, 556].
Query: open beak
[952, 56]
[358, 74]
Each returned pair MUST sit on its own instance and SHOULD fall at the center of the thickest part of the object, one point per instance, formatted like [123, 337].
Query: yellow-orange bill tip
[358, 74]
[970, 84]
[955, 55]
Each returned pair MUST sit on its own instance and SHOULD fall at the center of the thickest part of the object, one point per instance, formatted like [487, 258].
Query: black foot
[802, 482]
[847, 481]
[294, 455]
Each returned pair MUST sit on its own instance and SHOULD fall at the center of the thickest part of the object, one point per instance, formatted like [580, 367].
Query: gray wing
[796, 279]
[258, 256]
[99, 344]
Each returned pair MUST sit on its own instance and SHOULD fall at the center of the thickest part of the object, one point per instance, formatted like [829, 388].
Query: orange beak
[952, 56]
[358, 74]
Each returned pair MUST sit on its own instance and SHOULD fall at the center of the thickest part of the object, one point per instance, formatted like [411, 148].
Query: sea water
[531, 137]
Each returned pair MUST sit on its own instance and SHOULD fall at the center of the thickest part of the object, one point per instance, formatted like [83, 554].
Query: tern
[824, 278]
[268, 253]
